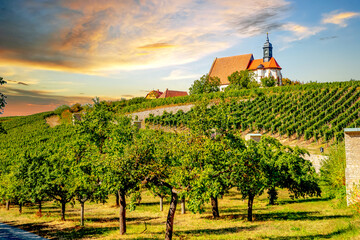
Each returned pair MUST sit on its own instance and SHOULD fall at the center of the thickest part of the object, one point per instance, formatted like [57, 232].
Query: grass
[311, 218]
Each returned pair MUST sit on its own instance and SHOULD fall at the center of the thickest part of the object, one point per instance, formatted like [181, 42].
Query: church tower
[267, 49]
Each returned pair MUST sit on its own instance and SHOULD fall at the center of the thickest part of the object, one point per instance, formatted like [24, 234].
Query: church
[263, 67]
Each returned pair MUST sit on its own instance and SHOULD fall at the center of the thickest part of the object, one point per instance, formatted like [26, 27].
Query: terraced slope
[318, 112]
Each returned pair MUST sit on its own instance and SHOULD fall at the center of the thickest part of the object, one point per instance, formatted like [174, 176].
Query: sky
[55, 52]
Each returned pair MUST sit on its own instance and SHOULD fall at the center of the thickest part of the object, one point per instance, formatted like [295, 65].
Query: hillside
[311, 112]
[309, 115]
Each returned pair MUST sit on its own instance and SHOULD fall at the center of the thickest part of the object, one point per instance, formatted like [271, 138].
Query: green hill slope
[310, 111]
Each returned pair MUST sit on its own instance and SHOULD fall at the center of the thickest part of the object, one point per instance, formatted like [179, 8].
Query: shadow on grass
[303, 200]
[116, 219]
[281, 216]
[217, 231]
[77, 232]
[296, 216]
[154, 203]
[315, 236]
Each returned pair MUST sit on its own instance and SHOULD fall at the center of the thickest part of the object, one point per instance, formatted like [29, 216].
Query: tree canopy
[242, 80]
[205, 84]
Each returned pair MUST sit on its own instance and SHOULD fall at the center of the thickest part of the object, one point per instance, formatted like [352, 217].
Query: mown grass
[311, 218]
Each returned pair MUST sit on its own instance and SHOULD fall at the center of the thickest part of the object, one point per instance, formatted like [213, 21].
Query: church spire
[267, 49]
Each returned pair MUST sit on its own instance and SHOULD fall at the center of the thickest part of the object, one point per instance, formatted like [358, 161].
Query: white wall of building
[260, 73]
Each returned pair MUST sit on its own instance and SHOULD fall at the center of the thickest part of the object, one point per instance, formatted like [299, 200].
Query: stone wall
[352, 150]
[159, 111]
[316, 160]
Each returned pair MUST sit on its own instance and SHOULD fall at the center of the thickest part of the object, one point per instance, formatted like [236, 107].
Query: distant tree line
[238, 80]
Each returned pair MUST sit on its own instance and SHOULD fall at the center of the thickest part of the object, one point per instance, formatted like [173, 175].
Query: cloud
[155, 46]
[25, 102]
[339, 18]
[96, 36]
[17, 82]
[299, 32]
[180, 74]
[328, 38]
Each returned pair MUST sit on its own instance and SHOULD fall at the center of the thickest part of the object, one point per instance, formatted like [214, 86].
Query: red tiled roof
[271, 64]
[172, 93]
[224, 67]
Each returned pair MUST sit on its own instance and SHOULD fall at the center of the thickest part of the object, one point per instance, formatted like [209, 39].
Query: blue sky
[63, 52]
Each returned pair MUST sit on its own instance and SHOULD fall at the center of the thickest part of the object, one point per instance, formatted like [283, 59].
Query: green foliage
[268, 81]
[76, 108]
[333, 172]
[205, 84]
[354, 198]
[305, 111]
[59, 110]
[242, 80]
[2, 96]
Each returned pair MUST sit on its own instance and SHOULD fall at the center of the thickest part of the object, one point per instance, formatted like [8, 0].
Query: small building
[153, 94]
[173, 93]
[263, 67]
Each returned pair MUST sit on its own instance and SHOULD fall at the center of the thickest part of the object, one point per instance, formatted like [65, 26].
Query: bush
[75, 108]
[333, 173]
[268, 82]
[59, 110]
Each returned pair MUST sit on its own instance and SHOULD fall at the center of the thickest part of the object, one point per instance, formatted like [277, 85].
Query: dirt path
[8, 232]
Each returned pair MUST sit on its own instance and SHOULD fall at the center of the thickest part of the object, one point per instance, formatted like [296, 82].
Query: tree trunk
[20, 208]
[250, 205]
[82, 204]
[215, 208]
[63, 203]
[183, 210]
[117, 201]
[170, 217]
[161, 203]
[122, 217]
[272, 195]
[7, 205]
[40, 209]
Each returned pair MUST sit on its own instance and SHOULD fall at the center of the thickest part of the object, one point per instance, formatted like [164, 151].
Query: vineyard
[314, 111]
[85, 162]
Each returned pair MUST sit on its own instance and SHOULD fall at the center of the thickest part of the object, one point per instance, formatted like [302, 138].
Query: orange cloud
[155, 46]
[339, 18]
[95, 36]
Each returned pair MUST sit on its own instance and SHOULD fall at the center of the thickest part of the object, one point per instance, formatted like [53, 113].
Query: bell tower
[267, 49]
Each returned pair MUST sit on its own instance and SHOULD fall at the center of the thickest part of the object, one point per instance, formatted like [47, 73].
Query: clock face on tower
[266, 52]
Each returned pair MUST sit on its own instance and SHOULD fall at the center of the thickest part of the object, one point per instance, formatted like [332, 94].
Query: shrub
[75, 108]
[59, 110]
[333, 173]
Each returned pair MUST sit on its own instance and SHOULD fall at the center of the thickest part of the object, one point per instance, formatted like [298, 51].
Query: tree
[242, 80]
[205, 84]
[112, 135]
[268, 81]
[121, 166]
[59, 110]
[247, 174]
[2, 104]
[32, 169]
[2, 96]
[285, 167]
[286, 81]
[86, 171]
[268, 164]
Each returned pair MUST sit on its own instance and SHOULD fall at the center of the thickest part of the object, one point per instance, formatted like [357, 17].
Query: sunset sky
[67, 51]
